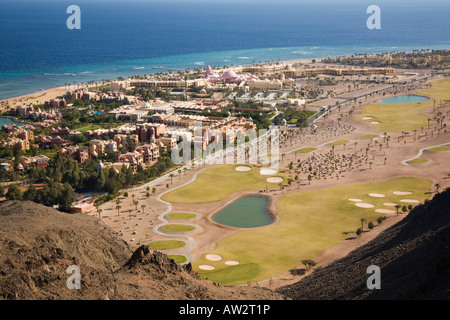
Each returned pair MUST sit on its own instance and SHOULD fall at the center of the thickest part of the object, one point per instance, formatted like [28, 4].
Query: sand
[243, 168]
[275, 179]
[267, 172]
[390, 204]
[364, 205]
[385, 211]
[231, 263]
[377, 195]
[213, 257]
[410, 200]
[355, 200]
[206, 267]
[402, 193]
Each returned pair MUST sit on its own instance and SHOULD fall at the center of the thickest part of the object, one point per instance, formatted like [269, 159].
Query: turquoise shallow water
[9, 121]
[245, 212]
[404, 99]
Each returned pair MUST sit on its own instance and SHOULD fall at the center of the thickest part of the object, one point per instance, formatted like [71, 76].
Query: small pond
[404, 99]
[245, 212]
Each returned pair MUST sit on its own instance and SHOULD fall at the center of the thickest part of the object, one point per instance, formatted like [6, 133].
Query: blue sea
[123, 38]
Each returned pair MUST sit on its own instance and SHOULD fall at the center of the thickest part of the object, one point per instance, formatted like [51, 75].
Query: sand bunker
[390, 204]
[267, 172]
[213, 257]
[355, 200]
[274, 179]
[232, 263]
[243, 168]
[402, 193]
[410, 200]
[375, 122]
[377, 195]
[206, 267]
[367, 118]
[384, 211]
[364, 205]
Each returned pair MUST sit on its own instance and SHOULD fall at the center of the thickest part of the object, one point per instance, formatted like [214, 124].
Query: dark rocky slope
[38, 244]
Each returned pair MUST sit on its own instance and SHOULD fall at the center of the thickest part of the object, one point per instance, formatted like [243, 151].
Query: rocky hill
[413, 257]
[38, 244]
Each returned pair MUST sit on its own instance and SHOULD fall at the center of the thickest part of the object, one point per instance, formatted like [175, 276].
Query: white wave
[86, 72]
[138, 68]
[314, 48]
[199, 63]
[245, 58]
[227, 60]
[303, 52]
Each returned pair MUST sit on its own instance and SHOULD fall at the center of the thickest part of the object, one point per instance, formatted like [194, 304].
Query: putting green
[418, 160]
[305, 150]
[368, 137]
[438, 149]
[338, 143]
[218, 183]
[181, 215]
[178, 258]
[406, 116]
[166, 244]
[177, 228]
[310, 222]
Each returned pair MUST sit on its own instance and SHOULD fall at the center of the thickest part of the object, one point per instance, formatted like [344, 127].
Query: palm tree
[135, 204]
[397, 207]
[362, 223]
[129, 213]
[99, 212]
[118, 209]
[143, 207]
[171, 177]
[437, 185]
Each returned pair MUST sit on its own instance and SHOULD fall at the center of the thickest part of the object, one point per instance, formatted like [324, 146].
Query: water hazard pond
[245, 212]
[404, 99]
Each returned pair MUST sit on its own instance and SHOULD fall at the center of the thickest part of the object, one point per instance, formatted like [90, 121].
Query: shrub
[370, 225]
[358, 232]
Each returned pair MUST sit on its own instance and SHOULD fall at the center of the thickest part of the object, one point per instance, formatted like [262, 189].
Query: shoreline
[31, 97]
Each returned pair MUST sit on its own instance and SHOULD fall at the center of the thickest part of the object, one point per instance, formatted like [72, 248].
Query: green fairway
[399, 117]
[218, 183]
[305, 150]
[338, 142]
[309, 223]
[166, 244]
[368, 137]
[438, 149]
[418, 160]
[181, 215]
[177, 228]
[178, 258]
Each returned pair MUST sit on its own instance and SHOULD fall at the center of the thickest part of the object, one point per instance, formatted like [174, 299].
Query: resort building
[338, 72]
[39, 162]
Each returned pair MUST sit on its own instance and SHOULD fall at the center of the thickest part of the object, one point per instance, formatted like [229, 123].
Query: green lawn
[438, 149]
[338, 143]
[418, 160]
[309, 223]
[178, 258]
[218, 183]
[406, 116]
[166, 244]
[305, 150]
[368, 137]
[177, 228]
[181, 215]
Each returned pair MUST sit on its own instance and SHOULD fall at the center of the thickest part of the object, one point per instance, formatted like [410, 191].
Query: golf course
[398, 117]
[309, 223]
